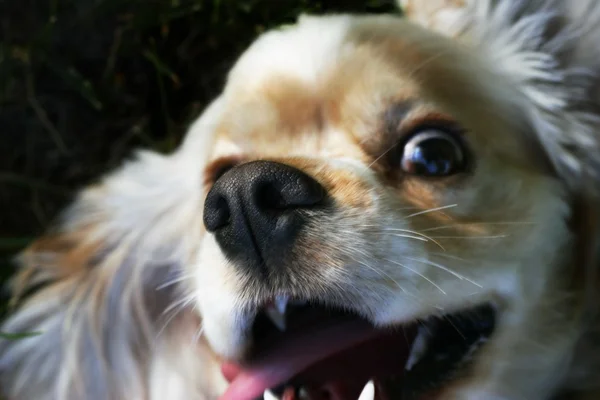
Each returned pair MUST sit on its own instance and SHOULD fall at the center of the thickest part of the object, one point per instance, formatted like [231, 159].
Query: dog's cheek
[215, 290]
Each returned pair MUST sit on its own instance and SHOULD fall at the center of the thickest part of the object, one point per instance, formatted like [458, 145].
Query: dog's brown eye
[432, 152]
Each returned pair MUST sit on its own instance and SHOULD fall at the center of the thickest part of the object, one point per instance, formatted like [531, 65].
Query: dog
[375, 207]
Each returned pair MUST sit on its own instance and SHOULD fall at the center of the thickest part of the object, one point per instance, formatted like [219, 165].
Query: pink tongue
[287, 358]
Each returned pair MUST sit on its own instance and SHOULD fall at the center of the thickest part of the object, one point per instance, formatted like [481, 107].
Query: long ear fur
[104, 278]
[550, 49]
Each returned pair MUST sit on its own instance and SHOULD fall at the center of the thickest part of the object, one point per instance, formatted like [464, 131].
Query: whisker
[365, 140]
[382, 155]
[430, 210]
[471, 237]
[395, 209]
[174, 281]
[444, 268]
[175, 308]
[427, 238]
[198, 334]
[450, 257]
[177, 303]
[473, 294]
[475, 224]
[406, 236]
[383, 275]
[379, 272]
[418, 273]
[455, 327]
[427, 61]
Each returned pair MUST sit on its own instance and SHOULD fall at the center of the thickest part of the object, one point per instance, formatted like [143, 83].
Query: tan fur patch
[55, 257]
[348, 190]
[69, 251]
[298, 107]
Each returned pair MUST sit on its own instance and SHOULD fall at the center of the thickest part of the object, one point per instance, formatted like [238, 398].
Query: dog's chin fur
[133, 298]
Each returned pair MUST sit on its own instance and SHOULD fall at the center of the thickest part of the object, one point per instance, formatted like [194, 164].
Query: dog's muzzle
[256, 210]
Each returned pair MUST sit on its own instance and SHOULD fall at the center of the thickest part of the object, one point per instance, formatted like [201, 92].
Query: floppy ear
[102, 280]
[550, 50]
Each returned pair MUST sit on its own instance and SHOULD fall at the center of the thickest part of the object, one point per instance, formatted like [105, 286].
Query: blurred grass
[82, 82]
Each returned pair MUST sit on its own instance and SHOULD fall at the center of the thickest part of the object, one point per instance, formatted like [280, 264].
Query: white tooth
[303, 394]
[368, 392]
[281, 303]
[276, 317]
[418, 349]
[276, 312]
[268, 395]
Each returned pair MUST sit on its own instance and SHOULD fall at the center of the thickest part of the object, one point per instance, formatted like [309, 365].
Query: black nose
[257, 209]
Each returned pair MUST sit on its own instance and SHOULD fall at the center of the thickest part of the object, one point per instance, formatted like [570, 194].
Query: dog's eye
[433, 153]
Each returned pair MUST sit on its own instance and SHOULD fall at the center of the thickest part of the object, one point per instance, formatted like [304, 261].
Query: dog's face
[367, 166]
[369, 208]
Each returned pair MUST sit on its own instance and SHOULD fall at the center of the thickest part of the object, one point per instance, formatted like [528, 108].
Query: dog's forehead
[308, 88]
[326, 85]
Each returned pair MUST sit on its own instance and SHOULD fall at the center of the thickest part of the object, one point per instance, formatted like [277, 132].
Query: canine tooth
[368, 392]
[276, 317]
[418, 349]
[276, 312]
[268, 395]
[474, 347]
[281, 303]
[303, 394]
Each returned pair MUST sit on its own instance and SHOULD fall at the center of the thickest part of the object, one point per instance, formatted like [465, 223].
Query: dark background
[82, 82]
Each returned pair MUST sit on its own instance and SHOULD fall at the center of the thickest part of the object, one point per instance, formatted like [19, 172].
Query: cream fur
[138, 302]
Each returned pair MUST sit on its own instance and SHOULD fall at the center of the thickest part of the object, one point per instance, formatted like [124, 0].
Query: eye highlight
[432, 152]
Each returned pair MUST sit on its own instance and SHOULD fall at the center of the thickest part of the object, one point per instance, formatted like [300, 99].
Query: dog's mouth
[310, 352]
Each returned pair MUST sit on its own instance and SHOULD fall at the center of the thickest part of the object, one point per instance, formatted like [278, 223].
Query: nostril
[278, 194]
[303, 191]
[269, 197]
[216, 213]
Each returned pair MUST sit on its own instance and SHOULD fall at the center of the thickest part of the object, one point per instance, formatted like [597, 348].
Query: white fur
[96, 328]
[304, 52]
